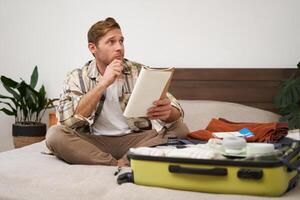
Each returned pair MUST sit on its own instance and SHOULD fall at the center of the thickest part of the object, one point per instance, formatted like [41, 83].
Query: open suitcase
[266, 177]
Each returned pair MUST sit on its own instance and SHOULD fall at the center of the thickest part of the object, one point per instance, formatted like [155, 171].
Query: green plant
[287, 100]
[27, 104]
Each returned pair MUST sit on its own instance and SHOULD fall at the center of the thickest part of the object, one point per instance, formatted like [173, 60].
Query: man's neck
[101, 67]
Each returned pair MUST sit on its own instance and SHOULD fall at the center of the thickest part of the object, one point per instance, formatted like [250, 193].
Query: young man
[92, 127]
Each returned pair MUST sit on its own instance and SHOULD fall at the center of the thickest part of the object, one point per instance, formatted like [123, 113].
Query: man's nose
[119, 47]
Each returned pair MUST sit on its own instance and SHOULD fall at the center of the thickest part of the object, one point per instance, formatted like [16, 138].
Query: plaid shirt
[81, 81]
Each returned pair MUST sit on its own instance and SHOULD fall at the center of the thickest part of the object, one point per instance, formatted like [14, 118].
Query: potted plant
[287, 100]
[28, 106]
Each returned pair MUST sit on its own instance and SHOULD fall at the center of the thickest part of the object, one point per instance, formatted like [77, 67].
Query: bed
[27, 173]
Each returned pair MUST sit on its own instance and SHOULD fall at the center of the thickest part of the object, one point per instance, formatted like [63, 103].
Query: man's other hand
[162, 110]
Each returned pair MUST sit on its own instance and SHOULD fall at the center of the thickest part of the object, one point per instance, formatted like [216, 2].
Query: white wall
[181, 33]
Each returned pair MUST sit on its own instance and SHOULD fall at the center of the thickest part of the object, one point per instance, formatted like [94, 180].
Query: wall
[181, 33]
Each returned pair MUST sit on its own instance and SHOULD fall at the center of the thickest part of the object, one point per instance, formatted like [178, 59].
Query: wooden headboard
[252, 87]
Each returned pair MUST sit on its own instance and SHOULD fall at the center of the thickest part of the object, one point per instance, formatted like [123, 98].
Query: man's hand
[162, 110]
[112, 71]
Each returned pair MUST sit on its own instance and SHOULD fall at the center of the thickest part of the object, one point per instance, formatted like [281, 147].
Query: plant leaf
[8, 82]
[13, 92]
[50, 103]
[34, 77]
[5, 97]
[12, 108]
[6, 111]
[15, 102]
[288, 93]
[291, 114]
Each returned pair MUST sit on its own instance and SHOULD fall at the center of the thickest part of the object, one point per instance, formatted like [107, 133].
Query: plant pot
[25, 134]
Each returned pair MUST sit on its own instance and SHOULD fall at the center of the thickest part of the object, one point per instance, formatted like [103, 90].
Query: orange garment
[263, 132]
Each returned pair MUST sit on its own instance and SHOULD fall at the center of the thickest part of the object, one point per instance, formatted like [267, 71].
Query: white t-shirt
[111, 121]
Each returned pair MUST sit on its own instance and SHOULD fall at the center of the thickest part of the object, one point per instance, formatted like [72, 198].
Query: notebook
[152, 84]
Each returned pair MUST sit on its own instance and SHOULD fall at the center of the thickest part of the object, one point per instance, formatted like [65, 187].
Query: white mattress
[27, 174]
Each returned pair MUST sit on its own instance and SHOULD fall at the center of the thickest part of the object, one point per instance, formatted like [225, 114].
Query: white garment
[111, 121]
[200, 151]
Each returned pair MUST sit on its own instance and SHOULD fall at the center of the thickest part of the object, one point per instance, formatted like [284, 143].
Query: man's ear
[92, 47]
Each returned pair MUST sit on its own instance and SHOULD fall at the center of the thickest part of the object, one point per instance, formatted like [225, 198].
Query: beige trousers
[85, 148]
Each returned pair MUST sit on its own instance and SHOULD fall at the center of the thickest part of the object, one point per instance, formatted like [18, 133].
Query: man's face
[109, 47]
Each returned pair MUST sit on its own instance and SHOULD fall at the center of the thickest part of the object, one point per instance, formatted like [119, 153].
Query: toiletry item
[260, 149]
[222, 135]
[234, 145]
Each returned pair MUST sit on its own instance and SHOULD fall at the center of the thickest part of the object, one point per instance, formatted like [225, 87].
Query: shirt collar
[93, 72]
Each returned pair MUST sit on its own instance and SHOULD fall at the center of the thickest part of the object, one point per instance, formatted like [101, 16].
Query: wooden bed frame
[252, 87]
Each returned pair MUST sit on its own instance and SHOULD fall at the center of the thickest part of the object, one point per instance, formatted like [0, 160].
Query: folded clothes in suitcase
[271, 176]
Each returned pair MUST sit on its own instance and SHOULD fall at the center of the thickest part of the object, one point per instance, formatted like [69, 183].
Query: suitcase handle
[186, 170]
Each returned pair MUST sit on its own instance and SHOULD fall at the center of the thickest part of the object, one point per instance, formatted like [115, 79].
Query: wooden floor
[253, 87]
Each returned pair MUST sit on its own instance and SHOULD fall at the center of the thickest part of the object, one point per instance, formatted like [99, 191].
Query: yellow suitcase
[265, 178]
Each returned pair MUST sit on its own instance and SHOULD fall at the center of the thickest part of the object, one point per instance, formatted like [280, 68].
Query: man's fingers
[160, 108]
[117, 73]
[159, 115]
[117, 70]
[116, 66]
[116, 63]
[162, 102]
[113, 63]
